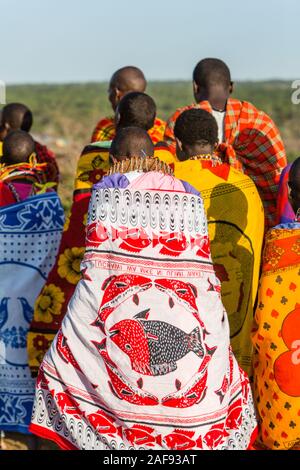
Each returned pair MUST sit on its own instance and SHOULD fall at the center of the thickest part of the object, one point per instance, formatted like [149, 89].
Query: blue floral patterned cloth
[30, 233]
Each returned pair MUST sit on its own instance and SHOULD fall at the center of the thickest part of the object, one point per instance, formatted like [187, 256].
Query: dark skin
[124, 81]
[216, 94]
[184, 151]
[294, 187]
[6, 128]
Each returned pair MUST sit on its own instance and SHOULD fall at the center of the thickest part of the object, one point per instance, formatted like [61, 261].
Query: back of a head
[294, 185]
[17, 116]
[196, 127]
[212, 72]
[129, 78]
[17, 147]
[136, 110]
[131, 142]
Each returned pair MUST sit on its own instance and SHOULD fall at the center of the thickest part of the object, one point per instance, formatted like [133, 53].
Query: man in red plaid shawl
[248, 138]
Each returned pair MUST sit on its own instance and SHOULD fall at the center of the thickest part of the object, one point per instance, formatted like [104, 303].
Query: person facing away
[235, 221]
[135, 109]
[17, 116]
[285, 211]
[139, 110]
[125, 80]
[31, 222]
[142, 360]
[20, 175]
[276, 331]
[249, 137]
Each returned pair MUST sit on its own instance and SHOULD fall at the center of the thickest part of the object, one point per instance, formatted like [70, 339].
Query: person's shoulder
[181, 110]
[159, 122]
[253, 112]
[43, 150]
[105, 121]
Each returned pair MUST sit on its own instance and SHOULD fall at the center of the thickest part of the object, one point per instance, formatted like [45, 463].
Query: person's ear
[195, 88]
[231, 88]
[119, 95]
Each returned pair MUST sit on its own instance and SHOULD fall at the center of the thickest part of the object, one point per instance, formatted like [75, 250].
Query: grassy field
[65, 115]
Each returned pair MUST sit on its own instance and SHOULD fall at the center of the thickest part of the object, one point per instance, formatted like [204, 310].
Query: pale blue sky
[86, 40]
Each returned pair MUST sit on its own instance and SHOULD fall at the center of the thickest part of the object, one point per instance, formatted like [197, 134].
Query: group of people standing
[142, 323]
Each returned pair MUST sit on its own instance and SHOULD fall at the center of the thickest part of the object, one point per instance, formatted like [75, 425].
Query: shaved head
[131, 142]
[17, 147]
[129, 79]
[16, 116]
[123, 81]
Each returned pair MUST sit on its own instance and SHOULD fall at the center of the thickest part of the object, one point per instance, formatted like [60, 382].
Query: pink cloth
[159, 181]
[23, 190]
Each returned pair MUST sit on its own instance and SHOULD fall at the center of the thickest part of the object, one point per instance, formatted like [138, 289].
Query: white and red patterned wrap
[143, 358]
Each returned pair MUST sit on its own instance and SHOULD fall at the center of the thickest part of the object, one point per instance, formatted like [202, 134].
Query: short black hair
[132, 142]
[137, 110]
[196, 126]
[18, 116]
[17, 147]
[210, 72]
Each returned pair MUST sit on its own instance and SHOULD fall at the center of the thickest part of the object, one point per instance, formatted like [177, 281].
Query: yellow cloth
[276, 340]
[1, 149]
[165, 155]
[93, 164]
[236, 226]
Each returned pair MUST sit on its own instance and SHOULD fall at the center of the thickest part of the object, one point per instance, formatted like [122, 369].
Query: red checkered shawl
[252, 144]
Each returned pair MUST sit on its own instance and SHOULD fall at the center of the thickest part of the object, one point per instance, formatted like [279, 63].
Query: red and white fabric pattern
[143, 358]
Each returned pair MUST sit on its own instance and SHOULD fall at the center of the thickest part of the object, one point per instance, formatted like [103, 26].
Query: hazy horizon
[170, 80]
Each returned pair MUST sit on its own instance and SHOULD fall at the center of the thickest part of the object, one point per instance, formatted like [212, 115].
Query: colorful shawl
[285, 212]
[53, 300]
[142, 360]
[276, 340]
[12, 185]
[236, 227]
[105, 130]
[252, 143]
[92, 165]
[30, 233]
[44, 155]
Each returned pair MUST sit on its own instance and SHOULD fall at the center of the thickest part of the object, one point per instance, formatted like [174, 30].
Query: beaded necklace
[208, 156]
[142, 164]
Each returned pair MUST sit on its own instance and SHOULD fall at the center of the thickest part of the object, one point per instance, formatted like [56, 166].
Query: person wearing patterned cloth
[276, 335]
[20, 176]
[143, 360]
[123, 81]
[31, 221]
[235, 222]
[17, 116]
[249, 136]
[136, 109]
